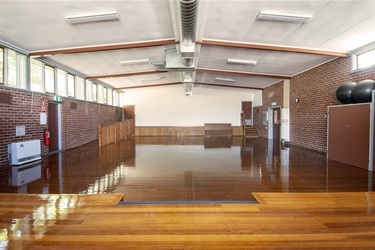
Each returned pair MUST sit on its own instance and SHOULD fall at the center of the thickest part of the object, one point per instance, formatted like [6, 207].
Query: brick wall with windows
[80, 119]
[273, 93]
[316, 90]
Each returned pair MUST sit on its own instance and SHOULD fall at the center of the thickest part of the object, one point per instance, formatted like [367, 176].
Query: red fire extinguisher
[46, 137]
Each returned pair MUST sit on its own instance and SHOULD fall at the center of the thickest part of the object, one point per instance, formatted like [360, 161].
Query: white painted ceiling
[336, 25]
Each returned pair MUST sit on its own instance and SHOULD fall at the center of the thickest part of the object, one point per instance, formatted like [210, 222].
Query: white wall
[168, 105]
[257, 98]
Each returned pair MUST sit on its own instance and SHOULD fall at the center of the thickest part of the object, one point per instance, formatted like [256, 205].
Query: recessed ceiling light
[239, 61]
[283, 17]
[93, 17]
[224, 79]
[140, 61]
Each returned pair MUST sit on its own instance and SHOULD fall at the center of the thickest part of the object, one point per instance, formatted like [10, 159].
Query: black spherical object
[344, 93]
[363, 91]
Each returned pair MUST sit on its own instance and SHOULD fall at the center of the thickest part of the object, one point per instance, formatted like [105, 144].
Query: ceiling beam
[273, 48]
[226, 85]
[219, 71]
[125, 74]
[103, 47]
[147, 86]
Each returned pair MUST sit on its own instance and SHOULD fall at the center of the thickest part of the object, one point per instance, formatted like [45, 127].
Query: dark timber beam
[226, 86]
[273, 48]
[103, 47]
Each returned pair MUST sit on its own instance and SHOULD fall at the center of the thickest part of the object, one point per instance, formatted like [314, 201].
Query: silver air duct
[188, 13]
[188, 83]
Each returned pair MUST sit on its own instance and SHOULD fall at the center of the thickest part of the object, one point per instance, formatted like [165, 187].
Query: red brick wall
[80, 120]
[273, 93]
[316, 90]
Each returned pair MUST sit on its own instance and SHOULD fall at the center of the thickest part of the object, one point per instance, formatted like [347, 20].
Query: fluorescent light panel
[239, 61]
[152, 79]
[224, 79]
[283, 17]
[93, 17]
[140, 61]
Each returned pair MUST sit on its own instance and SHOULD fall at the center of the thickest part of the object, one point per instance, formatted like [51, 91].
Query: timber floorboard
[337, 220]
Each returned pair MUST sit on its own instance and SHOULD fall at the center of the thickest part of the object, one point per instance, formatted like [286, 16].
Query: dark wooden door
[276, 123]
[247, 108]
[128, 112]
[53, 126]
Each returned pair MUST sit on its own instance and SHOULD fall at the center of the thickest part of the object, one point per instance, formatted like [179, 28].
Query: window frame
[48, 78]
[21, 61]
[2, 66]
[358, 52]
[46, 90]
[70, 76]
[42, 76]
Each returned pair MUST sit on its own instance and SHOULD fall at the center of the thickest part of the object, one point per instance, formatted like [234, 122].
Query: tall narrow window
[1, 66]
[94, 92]
[12, 68]
[80, 88]
[110, 95]
[89, 91]
[120, 99]
[100, 94]
[115, 98]
[16, 69]
[71, 87]
[104, 95]
[49, 79]
[61, 82]
[36, 75]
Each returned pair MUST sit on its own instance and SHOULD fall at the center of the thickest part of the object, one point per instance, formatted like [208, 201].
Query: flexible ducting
[188, 12]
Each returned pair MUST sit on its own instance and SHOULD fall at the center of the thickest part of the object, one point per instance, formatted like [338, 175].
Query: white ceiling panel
[286, 63]
[240, 81]
[357, 36]
[336, 18]
[231, 20]
[275, 32]
[216, 57]
[108, 62]
[41, 25]
[144, 80]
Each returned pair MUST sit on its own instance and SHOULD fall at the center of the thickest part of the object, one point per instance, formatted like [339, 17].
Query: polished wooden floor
[185, 169]
[338, 220]
[79, 199]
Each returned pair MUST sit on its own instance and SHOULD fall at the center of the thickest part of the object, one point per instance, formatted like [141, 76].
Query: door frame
[252, 112]
[270, 122]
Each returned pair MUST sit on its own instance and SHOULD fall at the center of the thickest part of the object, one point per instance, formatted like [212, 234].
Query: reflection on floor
[183, 169]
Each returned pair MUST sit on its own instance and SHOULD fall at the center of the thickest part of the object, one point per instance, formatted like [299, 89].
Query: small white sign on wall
[20, 130]
[43, 118]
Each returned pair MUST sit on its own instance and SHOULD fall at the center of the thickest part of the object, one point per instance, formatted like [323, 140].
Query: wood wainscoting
[178, 131]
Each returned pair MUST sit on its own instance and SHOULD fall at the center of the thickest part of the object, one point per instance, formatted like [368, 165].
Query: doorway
[54, 125]
[247, 112]
[274, 123]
